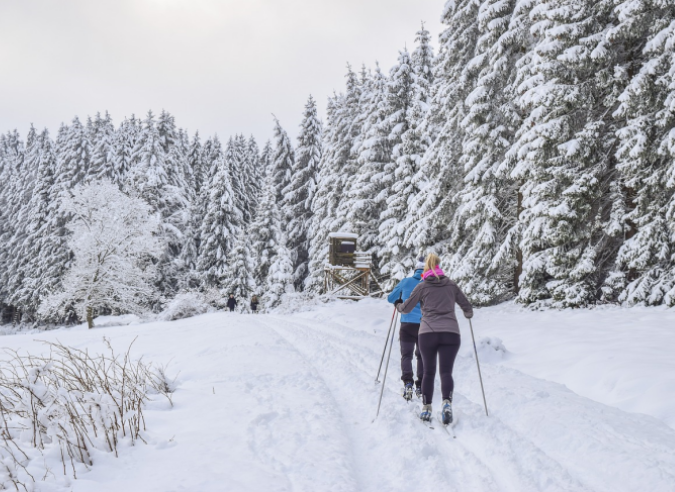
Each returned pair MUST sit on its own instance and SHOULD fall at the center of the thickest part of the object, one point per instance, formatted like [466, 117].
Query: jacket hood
[440, 280]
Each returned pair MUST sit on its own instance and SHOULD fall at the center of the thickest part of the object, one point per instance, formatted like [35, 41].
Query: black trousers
[408, 338]
[445, 346]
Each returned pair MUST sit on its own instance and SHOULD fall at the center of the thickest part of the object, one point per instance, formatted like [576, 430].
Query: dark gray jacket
[437, 296]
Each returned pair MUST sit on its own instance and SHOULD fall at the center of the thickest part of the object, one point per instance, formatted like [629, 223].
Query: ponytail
[431, 263]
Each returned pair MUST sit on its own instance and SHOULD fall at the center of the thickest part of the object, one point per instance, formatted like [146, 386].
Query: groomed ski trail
[396, 442]
[540, 436]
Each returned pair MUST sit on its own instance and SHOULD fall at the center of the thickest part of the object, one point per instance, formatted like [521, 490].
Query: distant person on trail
[439, 332]
[254, 304]
[231, 303]
[410, 326]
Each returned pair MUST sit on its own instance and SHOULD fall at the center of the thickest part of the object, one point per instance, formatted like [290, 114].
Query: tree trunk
[519, 253]
[90, 317]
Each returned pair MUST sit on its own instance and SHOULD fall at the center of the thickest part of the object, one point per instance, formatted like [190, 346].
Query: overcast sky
[219, 66]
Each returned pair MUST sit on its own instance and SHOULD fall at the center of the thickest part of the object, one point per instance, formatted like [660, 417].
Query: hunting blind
[348, 274]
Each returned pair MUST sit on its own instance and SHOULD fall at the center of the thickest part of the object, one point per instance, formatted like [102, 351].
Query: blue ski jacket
[403, 291]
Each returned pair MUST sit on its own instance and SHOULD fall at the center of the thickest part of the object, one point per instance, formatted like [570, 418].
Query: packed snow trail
[286, 403]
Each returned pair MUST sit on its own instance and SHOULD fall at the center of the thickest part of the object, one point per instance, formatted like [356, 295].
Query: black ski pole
[386, 367]
[391, 324]
[475, 351]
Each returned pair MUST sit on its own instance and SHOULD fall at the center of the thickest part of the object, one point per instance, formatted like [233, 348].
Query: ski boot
[408, 391]
[418, 392]
[446, 412]
[426, 413]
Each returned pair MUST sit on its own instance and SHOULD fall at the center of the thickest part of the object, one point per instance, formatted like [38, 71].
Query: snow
[343, 235]
[617, 356]
[282, 402]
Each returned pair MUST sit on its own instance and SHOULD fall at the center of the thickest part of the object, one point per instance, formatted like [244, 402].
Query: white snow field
[285, 402]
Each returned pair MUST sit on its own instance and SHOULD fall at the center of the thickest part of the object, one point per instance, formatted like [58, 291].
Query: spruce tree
[21, 186]
[406, 147]
[253, 173]
[440, 176]
[235, 155]
[644, 199]
[280, 276]
[264, 232]
[125, 141]
[299, 193]
[238, 276]
[485, 259]
[282, 160]
[103, 150]
[12, 154]
[220, 227]
[562, 154]
[338, 168]
[46, 254]
[365, 199]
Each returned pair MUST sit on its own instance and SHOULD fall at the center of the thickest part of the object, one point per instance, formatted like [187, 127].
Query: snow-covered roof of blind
[343, 235]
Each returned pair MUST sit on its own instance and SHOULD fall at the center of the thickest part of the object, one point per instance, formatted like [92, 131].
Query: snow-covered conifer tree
[125, 141]
[283, 159]
[563, 154]
[644, 204]
[253, 174]
[337, 169]
[45, 254]
[299, 193]
[13, 178]
[103, 150]
[365, 198]
[263, 234]
[221, 225]
[440, 176]
[406, 150]
[485, 254]
[21, 187]
[280, 275]
[235, 156]
[266, 160]
[74, 154]
[239, 274]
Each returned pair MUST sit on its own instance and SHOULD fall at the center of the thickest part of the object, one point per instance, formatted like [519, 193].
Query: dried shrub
[70, 402]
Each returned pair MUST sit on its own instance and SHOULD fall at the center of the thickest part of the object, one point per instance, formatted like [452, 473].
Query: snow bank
[615, 355]
[490, 349]
[186, 305]
[121, 320]
[300, 302]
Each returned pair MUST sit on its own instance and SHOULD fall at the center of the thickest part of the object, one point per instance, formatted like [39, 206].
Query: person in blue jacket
[410, 327]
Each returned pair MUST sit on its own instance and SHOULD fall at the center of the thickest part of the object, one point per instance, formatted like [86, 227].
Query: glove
[468, 315]
[398, 301]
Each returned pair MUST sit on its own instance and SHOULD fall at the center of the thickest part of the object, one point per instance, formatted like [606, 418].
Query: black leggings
[445, 345]
[408, 338]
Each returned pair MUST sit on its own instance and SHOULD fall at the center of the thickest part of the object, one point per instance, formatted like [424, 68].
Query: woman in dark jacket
[439, 331]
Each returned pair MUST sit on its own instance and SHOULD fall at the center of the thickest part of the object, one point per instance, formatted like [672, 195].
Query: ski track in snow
[285, 403]
[540, 436]
[469, 468]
